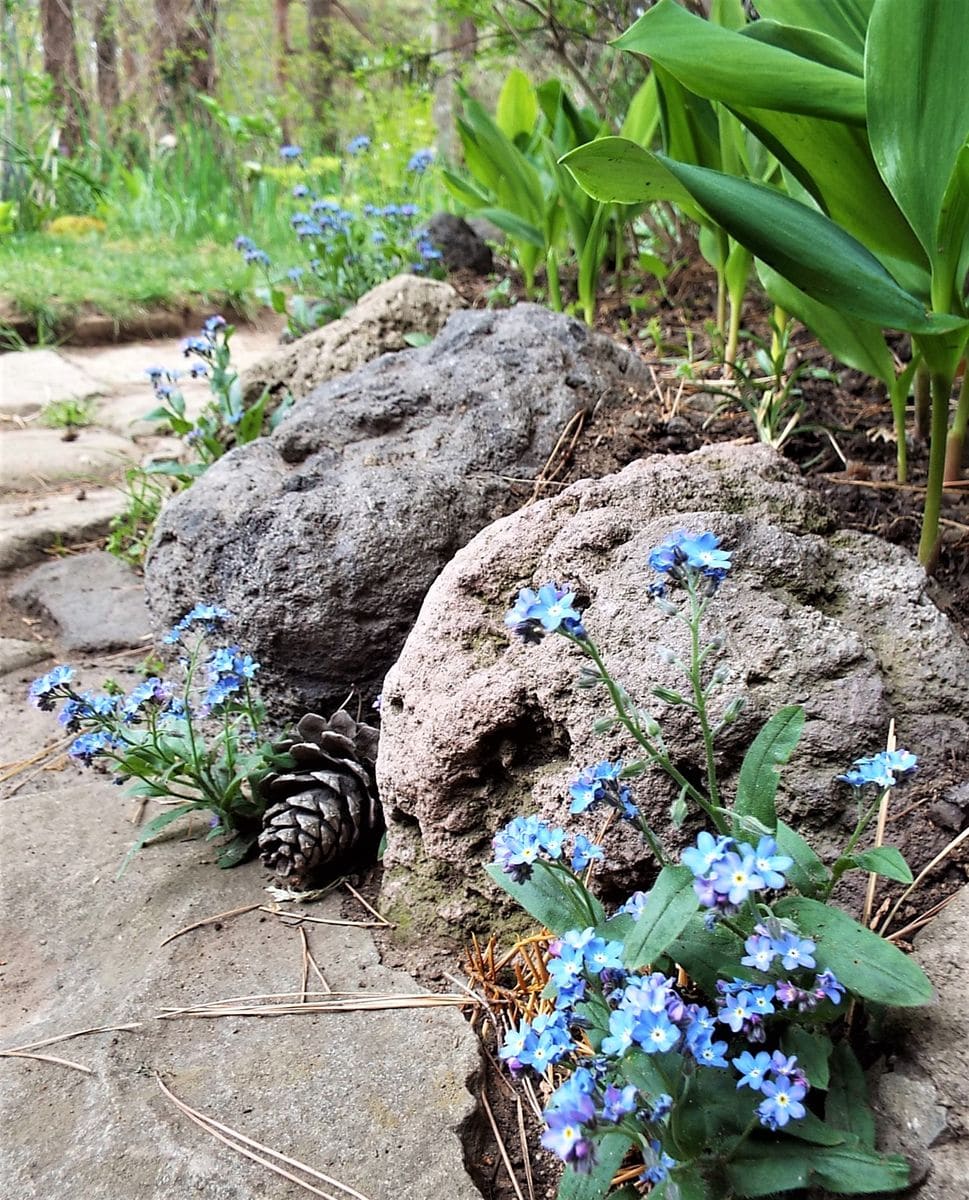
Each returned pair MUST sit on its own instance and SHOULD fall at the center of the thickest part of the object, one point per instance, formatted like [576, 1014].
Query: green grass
[52, 279]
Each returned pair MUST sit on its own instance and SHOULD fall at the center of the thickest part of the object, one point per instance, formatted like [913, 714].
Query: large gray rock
[463, 249]
[377, 324]
[478, 728]
[324, 538]
[920, 1095]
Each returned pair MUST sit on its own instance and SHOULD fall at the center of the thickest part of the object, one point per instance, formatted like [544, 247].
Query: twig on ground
[930, 866]
[296, 1003]
[290, 918]
[305, 965]
[61, 1062]
[369, 907]
[66, 1037]
[499, 1141]
[314, 964]
[890, 745]
[19, 765]
[238, 1141]
[924, 919]
[231, 912]
[573, 428]
[526, 1153]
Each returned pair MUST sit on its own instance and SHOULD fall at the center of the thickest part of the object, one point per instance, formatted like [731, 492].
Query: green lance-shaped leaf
[514, 225]
[858, 344]
[813, 1051]
[886, 861]
[669, 906]
[517, 109]
[760, 770]
[811, 44]
[156, 825]
[918, 103]
[641, 121]
[552, 897]
[846, 1106]
[844, 20]
[865, 963]
[809, 874]
[809, 249]
[610, 1152]
[619, 170]
[753, 73]
[761, 1168]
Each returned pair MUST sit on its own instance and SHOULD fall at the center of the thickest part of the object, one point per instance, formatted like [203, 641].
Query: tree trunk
[106, 42]
[199, 46]
[319, 14]
[454, 44]
[283, 54]
[60, 63]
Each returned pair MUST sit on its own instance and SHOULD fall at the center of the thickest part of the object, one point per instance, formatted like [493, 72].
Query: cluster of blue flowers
[228, 670]
[727, 872]
[420, 161]
[648, 1013]
[689, 559]
[527, 840]
[358, 144]
[602, 784]
[549, 610]
[880, 770]
[211, 617]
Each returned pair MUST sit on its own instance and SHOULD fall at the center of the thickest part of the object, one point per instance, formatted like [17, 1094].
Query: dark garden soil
[847, 451]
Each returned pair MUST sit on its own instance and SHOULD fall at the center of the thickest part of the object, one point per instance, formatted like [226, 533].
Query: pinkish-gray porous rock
[478, 728]
[919, 1092]
[377, 324]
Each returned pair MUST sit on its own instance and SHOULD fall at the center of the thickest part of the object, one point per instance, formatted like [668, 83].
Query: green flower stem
[630, 723]
[932, 511]
[697, 609]
[956, 442]
[864, 820]
[751, 1126]
[654, 843]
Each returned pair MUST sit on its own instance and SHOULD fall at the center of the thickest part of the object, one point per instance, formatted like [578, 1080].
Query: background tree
[61, 64]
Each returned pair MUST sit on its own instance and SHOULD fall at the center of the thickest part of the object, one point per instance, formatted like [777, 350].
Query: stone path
[376, 1099]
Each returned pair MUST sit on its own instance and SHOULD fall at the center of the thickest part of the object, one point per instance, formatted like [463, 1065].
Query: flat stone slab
[374, 1099]
[28, 527]
[34, 459]
[16, 653]
[120, 367]
[96, 601]
[29, 379]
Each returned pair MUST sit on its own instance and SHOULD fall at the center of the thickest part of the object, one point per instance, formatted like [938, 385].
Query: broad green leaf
[844, 20]
[834, 164]
[237, 850]
[653, 1074]
[865, 963]
[918, 103]
[886, 861]
[763, 1167]
[813, 1051]
[811, 44]
[858, 344]
[514, 225]
[610, 1152]
[616, 169]
[464, 190]
[553, 898]
[847, 1106]
[952, 263]
[517, 109]
[713, 62]
[712, 1111]
[708, 955]
[760, 770]
[809, 249]
[689, 123]
[690, 1184]
[642, 116]
[669, 906]
[808, 873]
[810, 1129]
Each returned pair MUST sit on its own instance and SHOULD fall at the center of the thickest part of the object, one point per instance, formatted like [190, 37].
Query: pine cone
[324, 815]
